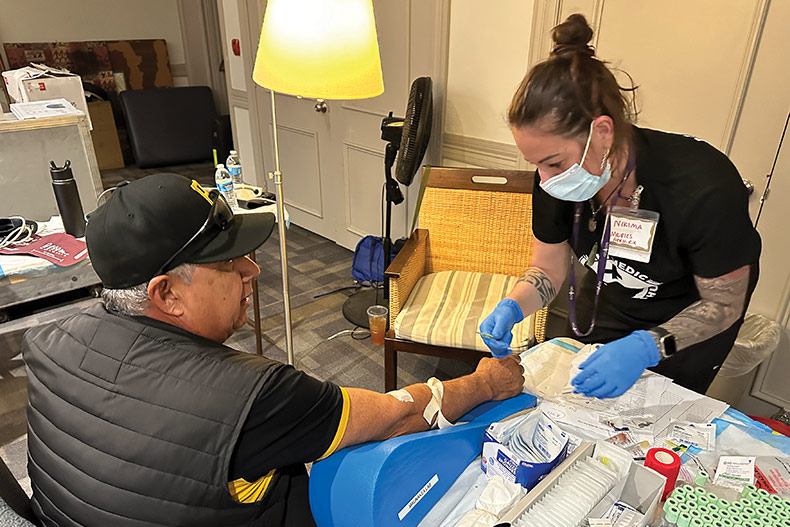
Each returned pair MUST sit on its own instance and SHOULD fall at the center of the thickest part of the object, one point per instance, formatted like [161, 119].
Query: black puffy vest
[131, 425]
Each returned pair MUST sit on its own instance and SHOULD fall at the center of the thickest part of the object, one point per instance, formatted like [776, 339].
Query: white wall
[81, 20]
[488, 50]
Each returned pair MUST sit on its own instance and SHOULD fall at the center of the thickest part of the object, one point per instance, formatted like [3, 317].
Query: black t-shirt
[295, 419]
[704, 230]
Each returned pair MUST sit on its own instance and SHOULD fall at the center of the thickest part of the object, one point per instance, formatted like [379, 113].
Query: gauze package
[549, 367]
[497, 497]
[523, 449]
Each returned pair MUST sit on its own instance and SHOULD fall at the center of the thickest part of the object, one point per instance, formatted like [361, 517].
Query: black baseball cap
[145, 222]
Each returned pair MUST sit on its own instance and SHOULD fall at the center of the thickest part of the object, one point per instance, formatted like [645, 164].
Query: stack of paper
[41, 109]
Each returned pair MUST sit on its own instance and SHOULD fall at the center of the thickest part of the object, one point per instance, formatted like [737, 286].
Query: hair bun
[572, 36]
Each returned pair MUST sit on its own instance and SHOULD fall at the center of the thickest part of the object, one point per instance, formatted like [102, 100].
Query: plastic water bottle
[225, 185]
[233, 164]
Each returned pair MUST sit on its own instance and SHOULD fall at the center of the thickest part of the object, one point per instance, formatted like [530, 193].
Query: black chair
[15, 508]
[170, 126]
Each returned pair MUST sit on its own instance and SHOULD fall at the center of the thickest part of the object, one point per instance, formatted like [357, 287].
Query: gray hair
[133, 301]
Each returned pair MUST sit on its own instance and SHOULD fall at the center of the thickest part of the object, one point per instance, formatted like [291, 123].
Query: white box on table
[40, 83]
[498, 459]
[642, 489]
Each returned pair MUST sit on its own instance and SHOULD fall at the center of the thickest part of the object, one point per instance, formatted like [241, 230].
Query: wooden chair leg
[256, 306]
[390, 366]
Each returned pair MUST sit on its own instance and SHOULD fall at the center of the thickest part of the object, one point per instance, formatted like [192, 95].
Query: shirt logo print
[626, 276]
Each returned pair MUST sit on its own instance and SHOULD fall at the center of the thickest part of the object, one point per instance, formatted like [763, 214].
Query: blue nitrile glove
[499, 324]
[616, 366]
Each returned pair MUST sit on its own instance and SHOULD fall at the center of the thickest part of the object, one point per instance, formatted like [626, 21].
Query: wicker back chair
[475, 220]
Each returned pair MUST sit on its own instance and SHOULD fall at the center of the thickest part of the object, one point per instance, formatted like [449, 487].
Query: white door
[333, 162]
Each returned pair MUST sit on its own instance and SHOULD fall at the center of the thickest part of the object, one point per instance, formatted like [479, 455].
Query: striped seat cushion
[446, 309]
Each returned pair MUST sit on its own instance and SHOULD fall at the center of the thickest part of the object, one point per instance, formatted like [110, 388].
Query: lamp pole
[326, 49]
[278, 188]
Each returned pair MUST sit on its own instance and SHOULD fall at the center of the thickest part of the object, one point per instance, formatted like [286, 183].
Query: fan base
[355, 308]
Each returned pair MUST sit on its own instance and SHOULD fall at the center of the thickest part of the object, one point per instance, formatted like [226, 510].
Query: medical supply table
[463, 493]
[415, 480]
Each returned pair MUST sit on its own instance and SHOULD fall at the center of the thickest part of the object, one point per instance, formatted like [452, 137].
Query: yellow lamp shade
[325, 49]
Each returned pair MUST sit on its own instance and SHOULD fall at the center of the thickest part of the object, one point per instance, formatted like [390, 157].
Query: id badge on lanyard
[633, 233]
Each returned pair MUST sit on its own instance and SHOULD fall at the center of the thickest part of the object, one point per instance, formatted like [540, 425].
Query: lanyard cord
[603, 255]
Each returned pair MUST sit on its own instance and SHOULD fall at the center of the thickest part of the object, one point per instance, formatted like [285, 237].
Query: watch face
[669, 344]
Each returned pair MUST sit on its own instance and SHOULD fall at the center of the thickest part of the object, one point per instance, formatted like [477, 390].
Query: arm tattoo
[721, 304]
[541, 283]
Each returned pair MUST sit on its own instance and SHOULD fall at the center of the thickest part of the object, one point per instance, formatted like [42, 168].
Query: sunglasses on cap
[219, 217]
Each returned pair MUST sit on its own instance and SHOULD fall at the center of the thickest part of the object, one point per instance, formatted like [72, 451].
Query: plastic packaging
[225, 185]
[552, 365]
[233, 166]
[757, 339]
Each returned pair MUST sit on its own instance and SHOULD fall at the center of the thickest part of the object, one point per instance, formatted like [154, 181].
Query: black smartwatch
[664, 340]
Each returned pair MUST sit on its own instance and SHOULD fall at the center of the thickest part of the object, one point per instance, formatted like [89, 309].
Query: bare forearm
[375, 416]
[533, 291]
[722, 303]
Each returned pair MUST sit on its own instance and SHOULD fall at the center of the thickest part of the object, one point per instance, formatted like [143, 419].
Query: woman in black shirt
[659, 220]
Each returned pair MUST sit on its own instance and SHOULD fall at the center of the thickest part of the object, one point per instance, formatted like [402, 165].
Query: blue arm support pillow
[396, 482]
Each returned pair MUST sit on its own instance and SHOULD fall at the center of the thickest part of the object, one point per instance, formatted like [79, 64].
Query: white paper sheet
[647, 409]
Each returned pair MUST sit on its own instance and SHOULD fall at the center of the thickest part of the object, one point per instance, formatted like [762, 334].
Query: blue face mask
[576, 184]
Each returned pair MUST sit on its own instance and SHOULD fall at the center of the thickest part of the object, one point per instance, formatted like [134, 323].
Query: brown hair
[564, 93]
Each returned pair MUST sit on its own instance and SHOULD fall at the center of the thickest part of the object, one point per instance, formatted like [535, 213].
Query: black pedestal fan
[407, 140]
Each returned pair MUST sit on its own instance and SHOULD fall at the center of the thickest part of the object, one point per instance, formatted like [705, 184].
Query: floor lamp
[319, 49]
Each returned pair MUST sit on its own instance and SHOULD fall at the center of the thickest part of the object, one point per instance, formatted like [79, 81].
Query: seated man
[139, 415]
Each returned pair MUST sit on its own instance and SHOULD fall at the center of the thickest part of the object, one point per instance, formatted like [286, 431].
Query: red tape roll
[666, 463]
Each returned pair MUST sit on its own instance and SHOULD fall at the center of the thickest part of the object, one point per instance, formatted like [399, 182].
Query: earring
[603, 161]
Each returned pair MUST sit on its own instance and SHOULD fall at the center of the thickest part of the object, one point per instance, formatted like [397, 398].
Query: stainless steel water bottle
[68, 198]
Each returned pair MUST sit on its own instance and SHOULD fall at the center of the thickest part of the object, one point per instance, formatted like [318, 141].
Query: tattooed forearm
[721, 304]
[542, 284]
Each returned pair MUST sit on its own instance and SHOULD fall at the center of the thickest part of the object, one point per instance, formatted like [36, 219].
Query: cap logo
[200, 190]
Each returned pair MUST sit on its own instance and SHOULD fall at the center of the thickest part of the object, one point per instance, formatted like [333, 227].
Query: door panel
[302, 186]
[244, 144]
[364, 174]
[305, 149]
